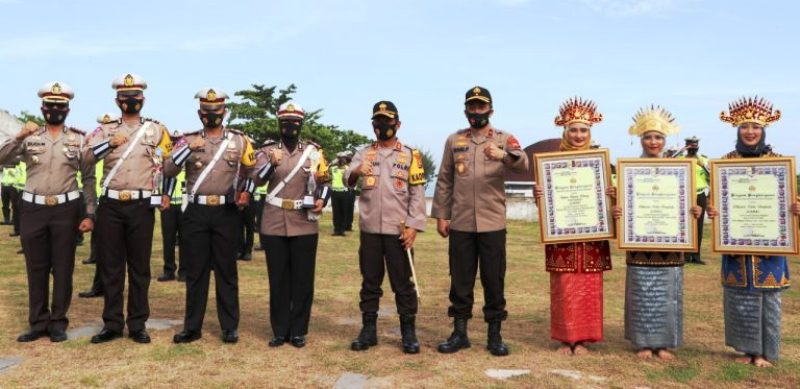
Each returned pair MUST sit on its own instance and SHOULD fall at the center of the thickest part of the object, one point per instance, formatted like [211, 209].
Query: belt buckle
[212, 200]
[50, 200]
[287, 204]
[125, 195]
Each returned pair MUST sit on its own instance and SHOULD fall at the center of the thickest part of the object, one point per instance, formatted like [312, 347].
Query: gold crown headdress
[750, 110]
[653, 118]
[578, 110]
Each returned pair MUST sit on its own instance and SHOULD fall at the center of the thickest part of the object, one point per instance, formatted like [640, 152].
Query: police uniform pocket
[493, 168]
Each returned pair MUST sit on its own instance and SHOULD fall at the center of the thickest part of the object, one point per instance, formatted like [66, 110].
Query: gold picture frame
[753, 197]
[657, 231]
[586, 214]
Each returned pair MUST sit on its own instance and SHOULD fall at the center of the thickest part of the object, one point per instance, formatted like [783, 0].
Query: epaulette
[313, 144]
[269, 142]
[77, 131]
[235, 131]
[461, 132]
[150, 120]
[196, 132]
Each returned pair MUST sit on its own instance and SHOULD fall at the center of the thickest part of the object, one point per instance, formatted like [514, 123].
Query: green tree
[26, 116]
[256, 114]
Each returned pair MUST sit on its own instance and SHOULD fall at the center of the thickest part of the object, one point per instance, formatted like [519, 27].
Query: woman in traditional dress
[752, 284]
[576, 268]
[654, 280]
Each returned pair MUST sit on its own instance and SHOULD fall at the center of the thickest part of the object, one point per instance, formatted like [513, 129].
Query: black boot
[408, 332]
[369, 332]
[458, 339]
[495, 343]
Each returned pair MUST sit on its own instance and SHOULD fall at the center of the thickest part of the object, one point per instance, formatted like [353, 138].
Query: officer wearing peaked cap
[51, 209]
[217, 161]
[297, 190]
[132, 149]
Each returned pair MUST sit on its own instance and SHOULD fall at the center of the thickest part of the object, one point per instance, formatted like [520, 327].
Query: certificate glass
[754, 197]
[574, 206]
[656, 196]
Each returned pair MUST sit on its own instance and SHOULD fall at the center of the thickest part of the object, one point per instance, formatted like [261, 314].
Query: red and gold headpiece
[578, 110]
[750, 110]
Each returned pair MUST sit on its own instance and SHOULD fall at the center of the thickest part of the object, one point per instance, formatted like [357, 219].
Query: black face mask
[386, 131]
[290, 130]
[54, 116]
[478, 120]
[211, 119]
[130, 105]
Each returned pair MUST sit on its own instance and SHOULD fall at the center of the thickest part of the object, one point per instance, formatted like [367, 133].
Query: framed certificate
[656, 196]
[754, 197]
[574, 206]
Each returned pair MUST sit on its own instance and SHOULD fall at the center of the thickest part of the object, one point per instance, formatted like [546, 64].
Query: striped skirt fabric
[753, 321]
[654, 306]
[576, 307]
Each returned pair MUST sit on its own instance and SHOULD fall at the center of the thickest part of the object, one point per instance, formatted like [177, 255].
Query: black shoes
[13, 234]
[298, 341]
[57, 335]
[30, 336]
[458, 339]
[247, 256]
[181, 277]
[89, 261]
[278, 341]
[106, 335]
[230, 336]
[408, 333]
[368, 336]
[90, 294]
[495, 343]
[186, 336]
[139, 336]
[166, 277]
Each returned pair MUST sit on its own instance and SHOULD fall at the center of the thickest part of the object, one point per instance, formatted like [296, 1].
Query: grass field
[704, 361]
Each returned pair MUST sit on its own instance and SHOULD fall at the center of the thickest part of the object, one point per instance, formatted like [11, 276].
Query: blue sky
[689, 56]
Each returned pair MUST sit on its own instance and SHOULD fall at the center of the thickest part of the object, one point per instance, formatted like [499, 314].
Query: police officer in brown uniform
[392, 208]
[296, 194]
[51, 209]
[469, 205]
[132, 149]
[217, 162]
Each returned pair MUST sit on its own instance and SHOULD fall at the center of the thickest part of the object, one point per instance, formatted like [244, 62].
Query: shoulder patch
[512, 143]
